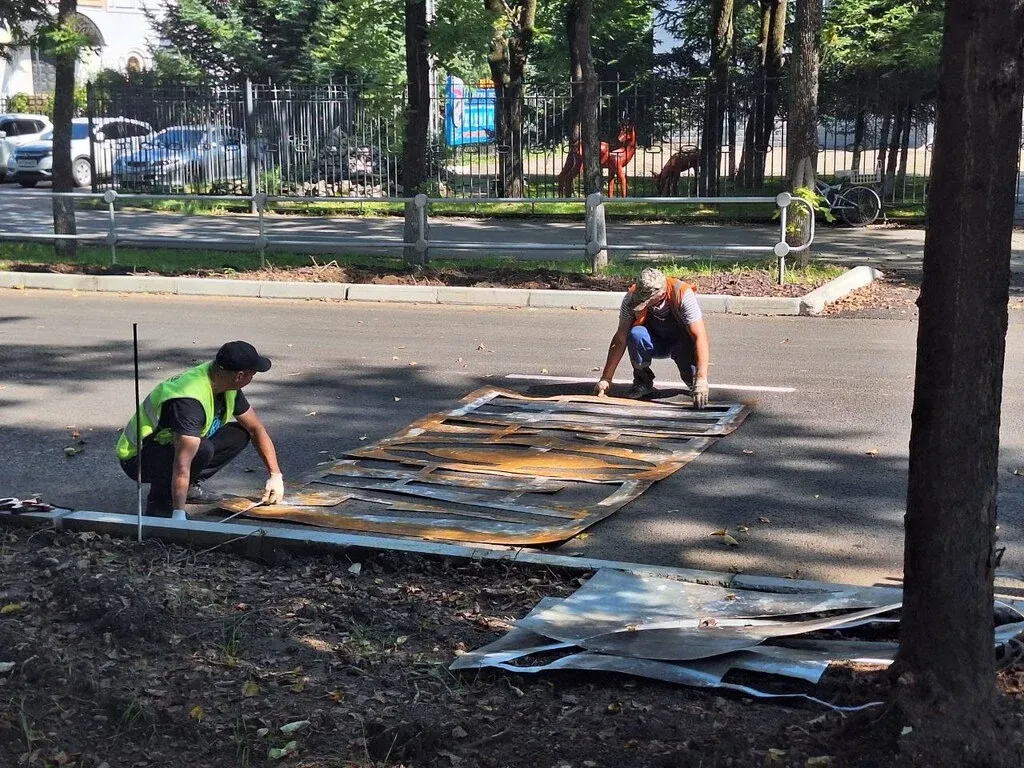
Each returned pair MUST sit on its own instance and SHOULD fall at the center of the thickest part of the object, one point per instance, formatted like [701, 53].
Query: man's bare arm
[185, 448]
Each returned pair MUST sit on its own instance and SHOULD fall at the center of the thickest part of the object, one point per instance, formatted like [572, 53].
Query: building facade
[120, 31]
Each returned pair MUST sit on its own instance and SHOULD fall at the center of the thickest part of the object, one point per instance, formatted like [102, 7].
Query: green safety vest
[193, 383]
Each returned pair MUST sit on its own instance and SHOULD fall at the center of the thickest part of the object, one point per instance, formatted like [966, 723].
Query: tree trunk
[901, 170]
[946, 658]
[417, 114]
[859, 130]
[892, 155]
[765, 104]
[590, 102]
[417, 123]
[507, 61]
[721, 34]
[572, 15]
[63, 111]
[802, 149]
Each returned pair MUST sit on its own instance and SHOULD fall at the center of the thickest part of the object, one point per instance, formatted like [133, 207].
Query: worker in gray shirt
[659, 317]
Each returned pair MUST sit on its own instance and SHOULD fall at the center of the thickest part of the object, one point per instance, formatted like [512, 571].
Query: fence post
[259, 202]
[596, 234]
[90, 113]
[250, 142]
[416, 232]
[109, 197]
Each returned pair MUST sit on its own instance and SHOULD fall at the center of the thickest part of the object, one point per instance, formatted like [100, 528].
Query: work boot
[197, 494]
[643, 384]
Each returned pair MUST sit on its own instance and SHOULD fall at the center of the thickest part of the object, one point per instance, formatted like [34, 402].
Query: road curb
[811, 304]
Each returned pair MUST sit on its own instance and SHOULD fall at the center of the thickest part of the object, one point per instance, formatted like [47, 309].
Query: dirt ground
[116, 654]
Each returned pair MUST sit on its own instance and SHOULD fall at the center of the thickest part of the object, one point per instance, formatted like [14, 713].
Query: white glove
[274, 490]
[700, 392]
[601, 390]
[179, 514]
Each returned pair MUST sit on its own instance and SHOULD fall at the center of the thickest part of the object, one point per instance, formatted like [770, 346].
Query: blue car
[183, 157]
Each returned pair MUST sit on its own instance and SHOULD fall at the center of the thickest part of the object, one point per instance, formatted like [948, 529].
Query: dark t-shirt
[185, 415]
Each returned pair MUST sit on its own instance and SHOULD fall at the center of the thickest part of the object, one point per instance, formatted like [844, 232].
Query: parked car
[185, 155]
[15, 130]
[112, 137]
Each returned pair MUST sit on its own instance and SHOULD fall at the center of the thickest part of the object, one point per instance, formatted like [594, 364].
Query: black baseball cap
[241, 356]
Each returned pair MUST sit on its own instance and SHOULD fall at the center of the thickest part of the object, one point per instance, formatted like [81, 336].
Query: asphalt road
[801, 460]
[880, 246]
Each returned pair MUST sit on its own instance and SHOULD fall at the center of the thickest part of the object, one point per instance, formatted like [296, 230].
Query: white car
[112, 137]
[15, 130]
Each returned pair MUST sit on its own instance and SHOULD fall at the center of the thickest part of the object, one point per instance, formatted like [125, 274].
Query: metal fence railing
[416, 243]
[346, 140]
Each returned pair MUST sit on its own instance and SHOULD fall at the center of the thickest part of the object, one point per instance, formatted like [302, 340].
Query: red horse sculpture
[615, 160]
[684, 159]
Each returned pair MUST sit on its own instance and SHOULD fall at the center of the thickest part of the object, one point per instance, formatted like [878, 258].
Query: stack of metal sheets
[695, 635]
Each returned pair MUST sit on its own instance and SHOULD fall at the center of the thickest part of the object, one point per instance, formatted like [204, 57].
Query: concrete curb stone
[811, 304]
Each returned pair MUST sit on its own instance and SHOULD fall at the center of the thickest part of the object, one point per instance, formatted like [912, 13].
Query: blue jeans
[644, 346]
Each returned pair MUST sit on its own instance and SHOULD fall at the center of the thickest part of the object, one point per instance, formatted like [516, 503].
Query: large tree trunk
[507, 61]
[946, 657]
[589, 104]
[417, 114]
[572, 15]
[802, 141]
[765, 105]
[417, 123]
[63, 111]
[721, 34]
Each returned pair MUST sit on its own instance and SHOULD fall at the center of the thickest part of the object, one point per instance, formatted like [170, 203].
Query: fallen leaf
[458, 732]
[394, 358]
[311, 413]
[287, 749]
[196, 713]
[72, 450]
[355, 569]
[614, 708]
[1019, 471]
[742, 528]
[397, 399]
[10, 608]
[907, 730]
[595, 368]
[336, 695]
[261, 732]
[298, 725]
[822, 761]
[362, 437]
[6, 666]
[748, 453]
[871, 452]
[250, 688]
[764, 520]
[730, 541]
[719, 532]
[412, 362]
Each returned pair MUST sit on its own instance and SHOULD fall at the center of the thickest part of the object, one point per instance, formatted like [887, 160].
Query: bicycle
[857, 205]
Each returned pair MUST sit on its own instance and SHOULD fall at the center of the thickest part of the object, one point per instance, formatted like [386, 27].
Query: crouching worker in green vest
[192, 425]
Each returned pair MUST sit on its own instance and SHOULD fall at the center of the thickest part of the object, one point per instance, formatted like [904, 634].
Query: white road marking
[576, 380]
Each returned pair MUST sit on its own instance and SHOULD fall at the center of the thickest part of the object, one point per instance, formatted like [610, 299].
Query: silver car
[185, 156]
[111, 137]
[16, 130]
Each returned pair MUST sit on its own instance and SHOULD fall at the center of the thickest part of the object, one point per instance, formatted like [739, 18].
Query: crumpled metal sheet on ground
[504, 468]
[696, 635]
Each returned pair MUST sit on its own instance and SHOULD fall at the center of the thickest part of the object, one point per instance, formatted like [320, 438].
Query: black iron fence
[343, 140]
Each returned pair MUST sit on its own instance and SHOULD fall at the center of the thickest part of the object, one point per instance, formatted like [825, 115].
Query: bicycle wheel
[859, 206]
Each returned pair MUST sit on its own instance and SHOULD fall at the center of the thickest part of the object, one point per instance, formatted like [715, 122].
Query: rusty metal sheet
[504, 468]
